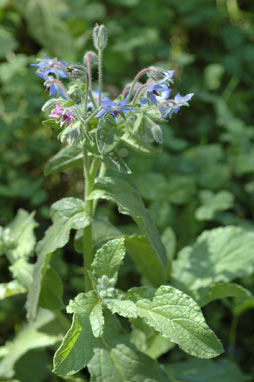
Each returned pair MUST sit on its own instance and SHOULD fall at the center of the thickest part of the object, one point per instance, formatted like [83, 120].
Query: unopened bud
[90, 58]
[100, 36]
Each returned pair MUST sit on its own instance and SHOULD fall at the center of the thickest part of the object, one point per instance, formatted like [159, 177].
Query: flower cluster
[65, 116]
[79, 103]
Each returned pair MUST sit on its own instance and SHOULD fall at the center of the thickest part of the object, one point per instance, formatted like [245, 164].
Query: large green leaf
[195, 370]
[143, 254]
[107, 135]
[107, 259]
[115, 359]
[51, 290]
[67, 157]
[76, 349]
[219, 255]
[177, 317]
[129, 203]
[29, 337]
[220, 290]
[67, 214]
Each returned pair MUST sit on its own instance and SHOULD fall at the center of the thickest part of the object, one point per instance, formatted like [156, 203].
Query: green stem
[100, 52]
[89, 175]
[232, 335]
[86, 93]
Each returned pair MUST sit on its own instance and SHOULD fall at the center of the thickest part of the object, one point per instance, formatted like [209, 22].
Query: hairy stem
[90, 172]
[100, 52]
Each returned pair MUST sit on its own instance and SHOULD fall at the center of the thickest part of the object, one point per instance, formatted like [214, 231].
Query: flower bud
[159, 74]
[100, 36]
[91, 58]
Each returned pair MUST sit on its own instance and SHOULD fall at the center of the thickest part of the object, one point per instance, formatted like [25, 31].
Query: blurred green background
[203, 178]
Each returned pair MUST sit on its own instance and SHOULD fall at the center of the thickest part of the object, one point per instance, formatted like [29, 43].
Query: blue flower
[51, 66]
[167, 76]
[160, 75]
[114, 108]
[153, 91]
[177, 102]
[95, 94]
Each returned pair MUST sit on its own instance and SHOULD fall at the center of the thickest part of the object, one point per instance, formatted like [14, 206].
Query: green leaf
[76, 349]
[97, 320]
[114, 161]
[148, 265]
[107, 259]
[177, 317]
[139, 145]
[195, 370]
[107, 135]
[220, 290]
[21, 230]
[11, 289]
[67, 157]
[51, 290]
[213, 203]
[45, 25]
[7, 42]
[219, 255]
[115, 359]
[67, 214]
[125, 308]
[102, 231]
[29, 337]
[147, 340]
[129, 203]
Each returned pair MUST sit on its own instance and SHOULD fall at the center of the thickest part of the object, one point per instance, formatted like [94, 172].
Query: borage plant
[93, 129]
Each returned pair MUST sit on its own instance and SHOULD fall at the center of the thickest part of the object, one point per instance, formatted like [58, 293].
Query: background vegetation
[202, 179]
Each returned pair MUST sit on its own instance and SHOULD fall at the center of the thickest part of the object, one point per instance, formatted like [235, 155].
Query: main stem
[89, 175]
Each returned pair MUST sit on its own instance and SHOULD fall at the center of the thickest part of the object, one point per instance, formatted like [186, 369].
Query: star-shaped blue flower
[114, 108]
[178, 102]
[51, 66]
[153, 91]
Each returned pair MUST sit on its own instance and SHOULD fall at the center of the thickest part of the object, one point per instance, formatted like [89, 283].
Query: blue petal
[143, 101]
[124, 102]
[107, 102]
[61, 93]
[188, 97]
[62, 73]
[103, 112]
[52, 90]
[152, 98]
[41, 75]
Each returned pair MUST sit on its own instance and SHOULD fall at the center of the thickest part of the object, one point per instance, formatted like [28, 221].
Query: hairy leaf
[115, 359]
[219, 255]
[29, 337]
[129, 203]
[107, 259]
[67, 214]
[76, 349]
[177, 317]
[67, 157]
[195, 370]
[220, 290]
